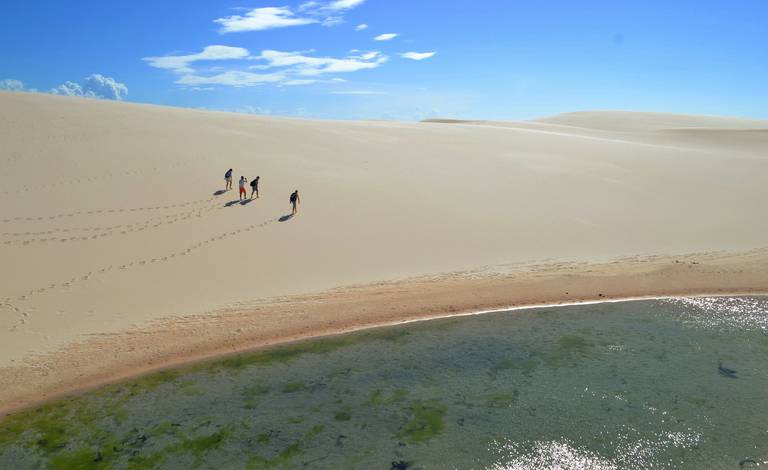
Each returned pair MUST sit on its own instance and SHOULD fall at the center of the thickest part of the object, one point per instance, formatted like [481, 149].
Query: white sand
[381, 201]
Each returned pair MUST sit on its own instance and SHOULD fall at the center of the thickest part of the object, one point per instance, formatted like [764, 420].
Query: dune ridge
[116, 243]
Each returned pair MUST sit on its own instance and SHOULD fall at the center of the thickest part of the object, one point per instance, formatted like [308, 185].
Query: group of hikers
[294, 199]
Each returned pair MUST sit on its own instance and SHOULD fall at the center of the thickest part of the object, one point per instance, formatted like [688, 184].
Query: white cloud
[234, 78]
[327, 13]
[386, 37]
[181, 63]
[417, 55]
[300, 64]
[259, 19]
[94, 86]
[358, 92]
[308, 6]
[368, 55]
[332, 21]
[361, 27]
[338, 5]
[287, 68]
[10, 84]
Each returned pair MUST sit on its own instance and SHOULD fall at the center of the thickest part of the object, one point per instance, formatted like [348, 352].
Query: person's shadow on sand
[285, 218]
[246, 202]
[220, 192]
[232, 203]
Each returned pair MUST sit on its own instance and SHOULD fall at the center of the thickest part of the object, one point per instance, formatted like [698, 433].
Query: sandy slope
[108, 217]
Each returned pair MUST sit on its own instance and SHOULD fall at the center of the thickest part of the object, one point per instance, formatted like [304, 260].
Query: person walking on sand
[228, 179]
[255, 187]
[295, 201]
[243, 192]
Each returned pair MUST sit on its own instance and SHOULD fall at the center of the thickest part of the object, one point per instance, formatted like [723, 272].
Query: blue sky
[492, 59]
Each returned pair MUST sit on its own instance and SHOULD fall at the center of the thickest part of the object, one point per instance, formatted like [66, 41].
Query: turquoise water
[663, 384]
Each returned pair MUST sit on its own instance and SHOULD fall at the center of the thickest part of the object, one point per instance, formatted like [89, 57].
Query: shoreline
[179, 341]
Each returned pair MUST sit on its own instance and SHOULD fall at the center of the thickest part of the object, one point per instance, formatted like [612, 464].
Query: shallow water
[663, 384]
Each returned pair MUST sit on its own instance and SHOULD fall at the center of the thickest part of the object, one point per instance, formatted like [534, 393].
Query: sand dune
[110, 219]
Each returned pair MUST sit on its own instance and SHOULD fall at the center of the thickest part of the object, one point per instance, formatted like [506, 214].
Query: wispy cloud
[340, 5]
[234, 78]
[386, 37]
[300, 64]
[417, 55]
[280, 68]
[326, 13]
[181, 63]
[361, 27]
[260, 19]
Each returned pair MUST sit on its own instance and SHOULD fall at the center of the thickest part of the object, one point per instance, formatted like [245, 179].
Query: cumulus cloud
[386, 37]
[181, 63]
[417, 55]
[11, 84]
[298, 63]
[327, 13]
[94, 86]
[361, 27]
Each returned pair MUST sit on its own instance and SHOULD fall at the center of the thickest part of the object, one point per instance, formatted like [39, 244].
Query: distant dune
[639, 122]
[116, 246]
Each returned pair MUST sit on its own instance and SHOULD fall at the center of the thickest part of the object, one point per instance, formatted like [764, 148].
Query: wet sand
[185, 339]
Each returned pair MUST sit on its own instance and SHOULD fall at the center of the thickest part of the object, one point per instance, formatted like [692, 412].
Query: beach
[119, 256]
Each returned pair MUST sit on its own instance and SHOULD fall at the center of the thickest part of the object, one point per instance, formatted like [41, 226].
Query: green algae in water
[629, 385]
[426, 422]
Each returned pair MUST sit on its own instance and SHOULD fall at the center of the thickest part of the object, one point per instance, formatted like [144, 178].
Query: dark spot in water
[748, 463]
[339, 441]
[461, 421]
[99, 457]
[400, 465]
[726, 372]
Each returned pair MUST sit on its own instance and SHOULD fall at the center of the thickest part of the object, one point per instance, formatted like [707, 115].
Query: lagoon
[678, 383]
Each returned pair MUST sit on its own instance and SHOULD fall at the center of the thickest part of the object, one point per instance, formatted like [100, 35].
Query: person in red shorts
[243, 193]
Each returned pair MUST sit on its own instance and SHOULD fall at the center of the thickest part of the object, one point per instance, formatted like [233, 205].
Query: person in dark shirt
[255, 187]
[295, 201]
[228, 179]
